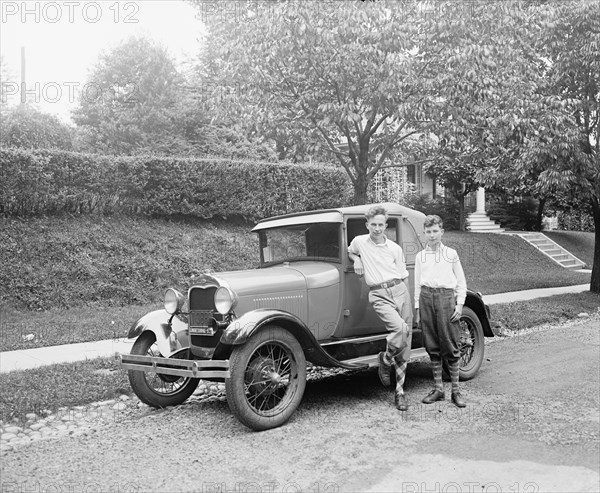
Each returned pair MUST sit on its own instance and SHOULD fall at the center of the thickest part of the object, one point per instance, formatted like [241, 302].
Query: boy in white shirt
[440, 293]
[382, 262]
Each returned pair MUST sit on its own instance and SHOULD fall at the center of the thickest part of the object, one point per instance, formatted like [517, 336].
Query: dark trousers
[440, 335]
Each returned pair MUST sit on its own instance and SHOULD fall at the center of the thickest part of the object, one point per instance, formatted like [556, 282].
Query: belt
[434, 290]
[385, 285]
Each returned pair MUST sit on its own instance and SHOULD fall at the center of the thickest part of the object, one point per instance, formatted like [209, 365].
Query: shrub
[516, 214]
[574, 220]
[445, 207]
[51, 182]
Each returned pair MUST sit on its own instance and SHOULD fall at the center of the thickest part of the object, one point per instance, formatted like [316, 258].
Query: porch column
[481, 200]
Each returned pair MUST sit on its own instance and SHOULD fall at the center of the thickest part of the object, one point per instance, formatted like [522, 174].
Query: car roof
[336, 215]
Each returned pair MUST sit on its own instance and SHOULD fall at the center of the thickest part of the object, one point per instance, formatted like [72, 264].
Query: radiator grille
[202, 311]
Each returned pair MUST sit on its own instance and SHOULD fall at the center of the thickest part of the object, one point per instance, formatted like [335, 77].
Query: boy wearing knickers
[440, 292]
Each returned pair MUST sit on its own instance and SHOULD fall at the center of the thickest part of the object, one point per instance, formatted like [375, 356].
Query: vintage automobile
[256, 329]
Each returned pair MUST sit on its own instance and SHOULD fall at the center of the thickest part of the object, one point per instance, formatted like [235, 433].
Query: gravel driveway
[531, 425]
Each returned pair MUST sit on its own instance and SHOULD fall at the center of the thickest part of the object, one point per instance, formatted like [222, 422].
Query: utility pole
[23, 83]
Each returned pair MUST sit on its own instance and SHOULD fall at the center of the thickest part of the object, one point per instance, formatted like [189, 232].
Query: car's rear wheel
[155, 389]
[471, 344]
[267, 378]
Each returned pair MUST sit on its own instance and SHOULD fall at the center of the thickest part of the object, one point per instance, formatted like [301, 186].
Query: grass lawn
[81, 383]
[497, 263]
[579, 243]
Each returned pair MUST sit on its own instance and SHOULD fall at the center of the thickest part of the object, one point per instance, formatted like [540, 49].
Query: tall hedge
[53, 182]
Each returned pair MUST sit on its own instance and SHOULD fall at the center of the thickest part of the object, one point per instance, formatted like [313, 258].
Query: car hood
[277, 279]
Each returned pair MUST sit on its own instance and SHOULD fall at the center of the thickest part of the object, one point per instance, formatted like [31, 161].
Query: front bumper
[191, 368]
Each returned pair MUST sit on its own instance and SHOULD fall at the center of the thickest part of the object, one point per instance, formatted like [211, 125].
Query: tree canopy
[130, 100]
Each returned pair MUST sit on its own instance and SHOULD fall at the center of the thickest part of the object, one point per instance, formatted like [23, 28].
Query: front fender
[242, 328]
[170, 337]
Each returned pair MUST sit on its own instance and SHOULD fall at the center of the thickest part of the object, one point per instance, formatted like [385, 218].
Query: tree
[572, 46]
[131, 101]
[556, 138]
[361, 79]
[28, 128]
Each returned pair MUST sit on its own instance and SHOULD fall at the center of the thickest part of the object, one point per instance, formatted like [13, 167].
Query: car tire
[155, 389]
[267, 378]
[471, 346]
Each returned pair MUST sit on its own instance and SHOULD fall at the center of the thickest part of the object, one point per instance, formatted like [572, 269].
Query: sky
[63, 39]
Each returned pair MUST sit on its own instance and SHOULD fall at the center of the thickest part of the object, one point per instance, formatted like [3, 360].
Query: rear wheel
[471, 344]
[267, 378]
[155, 389]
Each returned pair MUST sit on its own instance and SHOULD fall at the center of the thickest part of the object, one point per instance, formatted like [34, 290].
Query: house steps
[480, 222]
[551, 249]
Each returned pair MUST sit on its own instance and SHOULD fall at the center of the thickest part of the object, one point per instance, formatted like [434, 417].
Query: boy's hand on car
[358, 267]
[457, 313]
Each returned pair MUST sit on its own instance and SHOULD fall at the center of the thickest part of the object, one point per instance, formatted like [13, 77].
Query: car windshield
[300, 242]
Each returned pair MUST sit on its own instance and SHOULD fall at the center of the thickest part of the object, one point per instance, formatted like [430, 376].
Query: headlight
[225, 300]
[174, 301]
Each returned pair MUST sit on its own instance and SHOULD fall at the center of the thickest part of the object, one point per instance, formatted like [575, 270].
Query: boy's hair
[433, 219]
[376, 211]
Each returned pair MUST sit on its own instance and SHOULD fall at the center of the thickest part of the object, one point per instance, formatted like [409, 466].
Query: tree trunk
[540, 214]
[461, 212]
[360, 189]
[595, 282]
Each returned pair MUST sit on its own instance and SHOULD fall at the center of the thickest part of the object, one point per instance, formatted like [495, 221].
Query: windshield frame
[262, 241]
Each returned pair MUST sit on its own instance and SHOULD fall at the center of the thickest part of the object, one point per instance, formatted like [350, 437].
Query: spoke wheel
[471, 344]
[268, 377]
[155, 389]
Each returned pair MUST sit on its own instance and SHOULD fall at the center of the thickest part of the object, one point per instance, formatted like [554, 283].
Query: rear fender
[171, 333]
[475, 302]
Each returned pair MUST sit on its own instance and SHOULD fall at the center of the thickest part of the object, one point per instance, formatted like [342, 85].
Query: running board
[371, 360]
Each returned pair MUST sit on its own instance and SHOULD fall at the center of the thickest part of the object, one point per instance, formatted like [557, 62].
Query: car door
[359, 318]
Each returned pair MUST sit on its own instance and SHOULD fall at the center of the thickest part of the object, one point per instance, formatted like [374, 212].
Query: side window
[356, 226]
[392, 229]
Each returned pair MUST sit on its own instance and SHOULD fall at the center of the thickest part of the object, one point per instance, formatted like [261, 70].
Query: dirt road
[531, 425]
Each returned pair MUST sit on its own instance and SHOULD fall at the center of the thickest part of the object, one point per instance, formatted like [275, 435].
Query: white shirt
[440, 268]
[382, 261]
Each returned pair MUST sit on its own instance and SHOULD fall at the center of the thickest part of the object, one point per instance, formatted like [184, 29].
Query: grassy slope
[50, 263]
[501, 263]
[579, 243]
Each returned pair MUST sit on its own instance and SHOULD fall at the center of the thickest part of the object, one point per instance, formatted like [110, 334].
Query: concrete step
[478, 222]
[552, 250]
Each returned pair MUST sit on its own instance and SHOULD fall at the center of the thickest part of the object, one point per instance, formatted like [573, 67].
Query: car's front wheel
[156, 389]
[267, 378]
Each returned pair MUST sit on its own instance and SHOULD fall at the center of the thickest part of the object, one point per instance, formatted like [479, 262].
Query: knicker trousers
[440, 335]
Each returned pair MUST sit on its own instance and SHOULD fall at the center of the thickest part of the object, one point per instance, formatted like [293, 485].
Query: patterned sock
[400, 376]
[386, 358]
[436, 366]
[453, 367]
